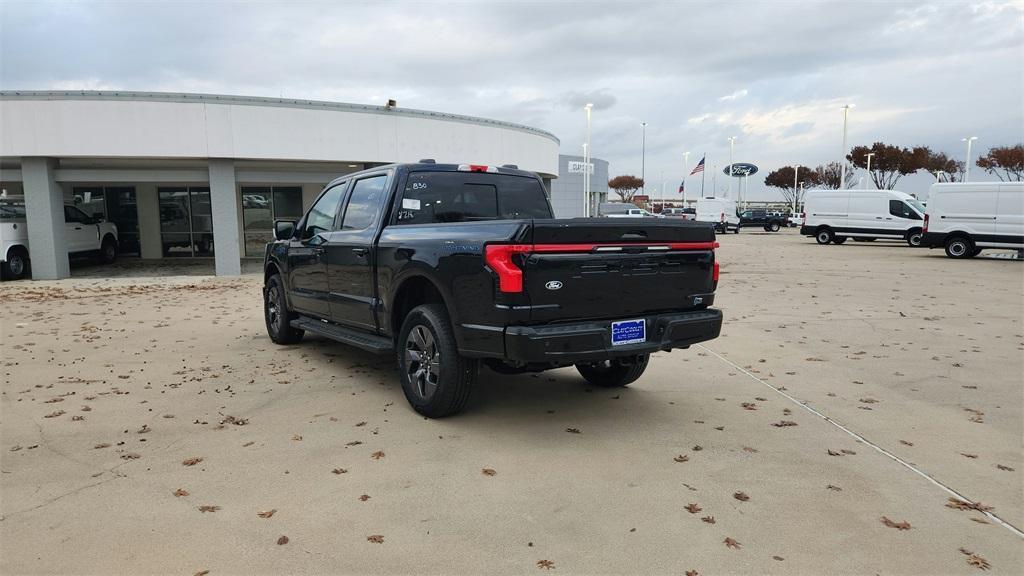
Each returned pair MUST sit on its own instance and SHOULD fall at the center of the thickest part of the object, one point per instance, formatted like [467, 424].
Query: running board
[350, 336]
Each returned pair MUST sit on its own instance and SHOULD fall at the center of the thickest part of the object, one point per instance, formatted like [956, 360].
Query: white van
[720, 211]
[967, 217]
[864, 215]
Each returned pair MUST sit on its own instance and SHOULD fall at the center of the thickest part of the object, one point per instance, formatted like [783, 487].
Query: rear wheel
[277, 315]
[436, 380]
[959, 247]
[616, 372]
[824, 236]
[914, 238]
[16, 266]
[774, 226]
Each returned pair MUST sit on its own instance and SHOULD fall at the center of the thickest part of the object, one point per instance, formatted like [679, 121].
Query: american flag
[699, 168]
[682, 186]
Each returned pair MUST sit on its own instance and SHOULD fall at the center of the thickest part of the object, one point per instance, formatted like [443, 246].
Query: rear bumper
[591, 341]
[806, 231]
[933, 239]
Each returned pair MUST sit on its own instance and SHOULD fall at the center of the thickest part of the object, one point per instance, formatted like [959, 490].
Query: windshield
[470, 197]
[10, 211]
[917, 205]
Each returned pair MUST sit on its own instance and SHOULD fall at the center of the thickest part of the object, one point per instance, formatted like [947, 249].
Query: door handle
[361, 252]
[878, 217]
[78, 227]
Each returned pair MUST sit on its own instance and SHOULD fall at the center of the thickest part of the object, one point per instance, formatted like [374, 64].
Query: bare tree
[782, 178]
[889, 164]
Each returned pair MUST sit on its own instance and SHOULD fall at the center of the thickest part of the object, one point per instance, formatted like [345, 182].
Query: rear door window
[364, 203]
[431, 197]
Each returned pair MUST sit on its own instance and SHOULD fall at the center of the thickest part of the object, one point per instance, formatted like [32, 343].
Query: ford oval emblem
[553, 285]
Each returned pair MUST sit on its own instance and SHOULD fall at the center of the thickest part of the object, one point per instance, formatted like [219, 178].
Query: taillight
[499, 258]
[926, 222]
[714, 273]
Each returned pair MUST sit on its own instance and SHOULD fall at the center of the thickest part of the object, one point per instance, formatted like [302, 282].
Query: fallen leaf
[730, 543]
[266, 513]
[779, 558]
[201, 573]
[573, 430]
[376, 539]
[742, 497]
[898, 525]
[835, 488]
[339, 470]
[296, 437]
[377, 455]
[749, 406]
[361, 424]
[364, 497]
[488, 472]
[209, 508]
[978, 562]
[905, 443]
[698, 448]
[545, 564]
[77, 418]
[833, 453]
[1005, 468]
[282, 540]
[966, 455]
[980, 520]
[692, 508]
[181, 492]
[749, 449]
[962, 505]
[784, 423]
[102, 445]
[191, 461]
[708, 519]
[131, 456]
[681, 458]
[54, 414]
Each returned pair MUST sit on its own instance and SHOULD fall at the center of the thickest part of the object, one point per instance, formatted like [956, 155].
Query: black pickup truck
[448, 266]
[763, 219]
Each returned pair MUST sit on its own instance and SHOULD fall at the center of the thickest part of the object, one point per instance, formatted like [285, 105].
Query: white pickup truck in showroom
[84, 234]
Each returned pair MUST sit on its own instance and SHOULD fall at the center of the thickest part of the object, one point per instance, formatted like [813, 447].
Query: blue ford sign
[741, 169]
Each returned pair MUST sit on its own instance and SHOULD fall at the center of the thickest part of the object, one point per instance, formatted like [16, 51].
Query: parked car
[835, 215]
[450, 266]
[968, 217]
[795, 219]
[83, 234]
[719, 211]
[770, 222]
[634, 213]
[684, 213]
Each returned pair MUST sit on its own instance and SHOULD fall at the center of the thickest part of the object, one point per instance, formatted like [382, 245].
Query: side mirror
[284, 229]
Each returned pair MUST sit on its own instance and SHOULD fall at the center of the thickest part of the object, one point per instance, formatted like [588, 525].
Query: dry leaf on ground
[681, 458]
[692, 508]
[191, 461]
[730, 543]
[266, 513]
[376, 539]
[898, 525]
[209, 508]
[488, 472]
[545, 564]
[180, 492]
[377, 455]
[282, 540]
[741, 496]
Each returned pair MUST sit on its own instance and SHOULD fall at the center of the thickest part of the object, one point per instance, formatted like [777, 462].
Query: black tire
[914, 237]
[108, 250]
[16, 266]
[614, 373]
[959, 247]
[824, 235]
[736, 230]
[976, 252]
[437, 381]
[774, 226]
[276, 314]
[838, 239]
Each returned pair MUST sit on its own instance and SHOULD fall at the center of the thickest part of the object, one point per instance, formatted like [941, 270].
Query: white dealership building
[200, 175]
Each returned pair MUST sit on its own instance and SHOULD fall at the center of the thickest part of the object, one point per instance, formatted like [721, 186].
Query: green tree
[782, 178]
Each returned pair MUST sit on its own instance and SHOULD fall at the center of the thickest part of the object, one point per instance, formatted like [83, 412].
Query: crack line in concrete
[1016, 531]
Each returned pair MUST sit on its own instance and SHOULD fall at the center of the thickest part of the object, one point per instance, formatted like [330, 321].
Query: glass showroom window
[115, 204]
[186, 222]
[261, 205]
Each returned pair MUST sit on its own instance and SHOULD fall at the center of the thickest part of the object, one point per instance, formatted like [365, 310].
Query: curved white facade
[139, 125]
[205, 175]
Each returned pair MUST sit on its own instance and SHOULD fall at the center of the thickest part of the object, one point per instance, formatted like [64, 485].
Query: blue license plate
[629, 332]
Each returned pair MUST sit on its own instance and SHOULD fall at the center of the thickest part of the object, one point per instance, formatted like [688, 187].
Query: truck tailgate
[591, 269]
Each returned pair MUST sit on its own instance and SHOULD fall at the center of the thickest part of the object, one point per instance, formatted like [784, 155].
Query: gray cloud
[919, 72]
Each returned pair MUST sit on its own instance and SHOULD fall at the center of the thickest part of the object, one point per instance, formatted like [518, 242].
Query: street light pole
[870, 154]
[643, 152]
[732, 144]
[796, 172]
[586, 165]
[686, 163]
[967, 163]
[842, 159]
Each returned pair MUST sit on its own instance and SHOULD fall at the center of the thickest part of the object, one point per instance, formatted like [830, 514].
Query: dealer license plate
[629, 332]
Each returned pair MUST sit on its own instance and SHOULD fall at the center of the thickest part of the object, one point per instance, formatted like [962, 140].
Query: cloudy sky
[773, 74]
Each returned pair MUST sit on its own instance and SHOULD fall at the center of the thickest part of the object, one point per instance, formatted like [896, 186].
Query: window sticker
[411, 203]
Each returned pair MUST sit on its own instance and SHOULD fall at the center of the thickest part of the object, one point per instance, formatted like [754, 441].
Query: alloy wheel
[424, 361]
